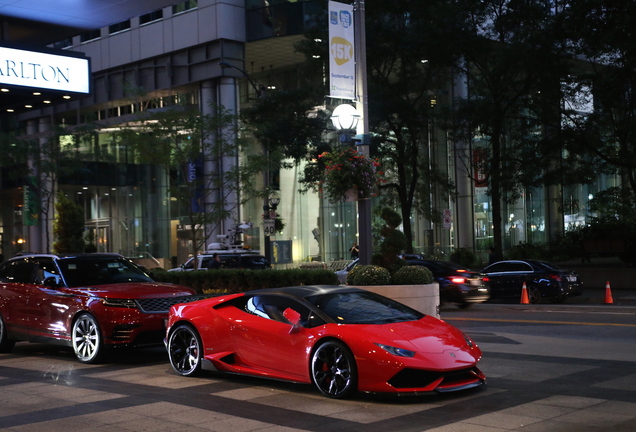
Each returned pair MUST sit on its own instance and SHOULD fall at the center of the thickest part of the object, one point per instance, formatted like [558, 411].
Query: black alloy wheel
[333, 370]
[534, 294]
[185, 350]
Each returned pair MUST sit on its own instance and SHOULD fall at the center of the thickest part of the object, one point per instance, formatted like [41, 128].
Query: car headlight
[126, 303]
[469, 341]
[400, 352]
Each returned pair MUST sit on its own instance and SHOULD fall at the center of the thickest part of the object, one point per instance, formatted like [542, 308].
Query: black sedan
[543, 280]
[457, 284]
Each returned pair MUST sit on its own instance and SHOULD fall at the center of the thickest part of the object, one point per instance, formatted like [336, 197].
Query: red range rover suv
[90, 302]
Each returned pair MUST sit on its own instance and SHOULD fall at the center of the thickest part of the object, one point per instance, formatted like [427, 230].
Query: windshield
[99, 271]
[363, 308]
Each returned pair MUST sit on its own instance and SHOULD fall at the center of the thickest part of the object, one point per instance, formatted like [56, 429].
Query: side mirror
[293, 317]
[50, 282]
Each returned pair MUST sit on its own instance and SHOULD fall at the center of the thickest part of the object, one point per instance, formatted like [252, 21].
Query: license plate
[571, 278]
[474, 282]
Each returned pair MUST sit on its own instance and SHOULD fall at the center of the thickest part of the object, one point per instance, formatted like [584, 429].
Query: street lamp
[258, 87]
[345, 117]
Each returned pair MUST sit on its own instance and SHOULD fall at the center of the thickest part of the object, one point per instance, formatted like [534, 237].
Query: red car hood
[135, 290]
[427, 335]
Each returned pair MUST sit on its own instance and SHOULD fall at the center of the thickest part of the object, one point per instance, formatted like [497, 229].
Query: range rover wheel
[87, 339]
[6, 345]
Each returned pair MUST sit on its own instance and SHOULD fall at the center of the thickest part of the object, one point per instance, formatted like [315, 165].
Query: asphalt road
[550, 368]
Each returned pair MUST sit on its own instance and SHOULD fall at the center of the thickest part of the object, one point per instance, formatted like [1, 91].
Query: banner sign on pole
[342, 75]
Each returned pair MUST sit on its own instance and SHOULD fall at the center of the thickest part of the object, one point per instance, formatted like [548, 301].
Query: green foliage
[352, 274]
[235, 281]
[391, 217]
[612, 205]
[347, 169]
[412, 275]
[370, 275]
[68, 226]
[393, 243]
[180, 136]
[465, 257]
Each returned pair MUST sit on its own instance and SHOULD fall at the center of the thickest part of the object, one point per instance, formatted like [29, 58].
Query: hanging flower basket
[348, 173]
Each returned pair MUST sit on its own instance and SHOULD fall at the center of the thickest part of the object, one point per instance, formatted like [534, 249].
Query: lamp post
[346, 119]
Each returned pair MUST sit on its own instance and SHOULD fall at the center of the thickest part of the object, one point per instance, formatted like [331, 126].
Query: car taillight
[555, 277]
[457, 279]
[486, 279]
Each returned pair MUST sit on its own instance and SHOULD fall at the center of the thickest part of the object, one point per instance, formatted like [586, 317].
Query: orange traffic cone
[608, 294]
[524, 294]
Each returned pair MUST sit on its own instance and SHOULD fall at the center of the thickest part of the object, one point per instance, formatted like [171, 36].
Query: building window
[121, 26]
[184, 6]
[150, 17]
[89, 36]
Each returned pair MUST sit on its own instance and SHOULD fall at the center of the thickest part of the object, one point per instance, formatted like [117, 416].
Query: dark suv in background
[230, 259]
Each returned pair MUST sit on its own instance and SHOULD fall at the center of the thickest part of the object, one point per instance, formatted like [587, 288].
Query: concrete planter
[424, 298]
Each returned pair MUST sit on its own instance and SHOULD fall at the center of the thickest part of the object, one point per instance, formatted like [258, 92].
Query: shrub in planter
[351, 274]
[370, 275]
[393, 242]
[412, 275]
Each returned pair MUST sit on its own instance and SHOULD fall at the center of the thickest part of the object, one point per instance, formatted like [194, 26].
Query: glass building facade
[127, 204]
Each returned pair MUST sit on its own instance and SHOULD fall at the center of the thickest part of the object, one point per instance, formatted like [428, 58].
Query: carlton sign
[44, 71]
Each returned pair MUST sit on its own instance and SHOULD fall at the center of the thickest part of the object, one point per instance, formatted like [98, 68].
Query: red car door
[264, 338]
[17, 278]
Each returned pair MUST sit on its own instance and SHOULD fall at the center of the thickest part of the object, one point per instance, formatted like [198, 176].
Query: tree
[199, 155]
[407, 66]
[37, 163]
[290, 127]
[512, 55]
[68, 226]
[601, 97]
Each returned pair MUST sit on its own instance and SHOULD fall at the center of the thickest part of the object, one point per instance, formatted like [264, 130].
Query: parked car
[89, 302]
[457, 284]
[543, 280]
[341, 339]
[230, 259]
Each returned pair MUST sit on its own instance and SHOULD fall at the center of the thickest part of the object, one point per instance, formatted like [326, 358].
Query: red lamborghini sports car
[341, 339]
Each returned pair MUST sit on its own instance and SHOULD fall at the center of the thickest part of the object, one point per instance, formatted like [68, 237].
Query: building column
[464, 217]
[223, 93]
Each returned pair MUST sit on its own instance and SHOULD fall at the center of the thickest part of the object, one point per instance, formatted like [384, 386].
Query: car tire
[559, 299]
[6, 345]
[185, 350]
[87, 340]
[534, 294]
[333, 370]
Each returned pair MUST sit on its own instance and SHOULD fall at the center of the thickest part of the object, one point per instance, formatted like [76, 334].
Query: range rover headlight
[125, 303]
